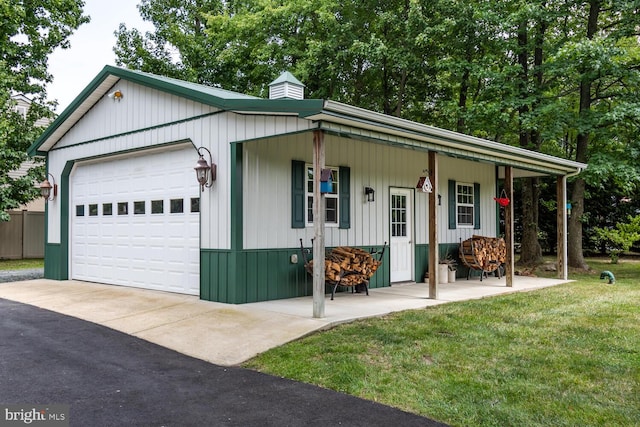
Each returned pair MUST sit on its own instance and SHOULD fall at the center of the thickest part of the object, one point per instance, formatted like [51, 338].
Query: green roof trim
[286, 77]
[208, 95]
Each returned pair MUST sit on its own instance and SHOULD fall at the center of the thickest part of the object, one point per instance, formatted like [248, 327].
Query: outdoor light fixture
[116, 95]
[370, 194]
[46, 187]
[205, 172]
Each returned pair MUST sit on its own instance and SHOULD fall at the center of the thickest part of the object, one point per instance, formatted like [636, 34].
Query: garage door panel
[155, 251]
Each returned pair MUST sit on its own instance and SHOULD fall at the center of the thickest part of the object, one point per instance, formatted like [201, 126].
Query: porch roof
[331, 116]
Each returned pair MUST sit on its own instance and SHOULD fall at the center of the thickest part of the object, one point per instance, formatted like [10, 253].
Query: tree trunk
[531, 251]
[575, 255]
[574, 244]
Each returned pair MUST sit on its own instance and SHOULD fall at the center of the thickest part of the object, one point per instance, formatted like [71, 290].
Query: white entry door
[401, 242]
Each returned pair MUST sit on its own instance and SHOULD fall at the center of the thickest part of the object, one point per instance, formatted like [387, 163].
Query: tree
[619, 238]
[600, 74]
[31, 30]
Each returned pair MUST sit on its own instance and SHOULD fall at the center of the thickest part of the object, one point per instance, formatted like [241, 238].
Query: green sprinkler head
[608, 275]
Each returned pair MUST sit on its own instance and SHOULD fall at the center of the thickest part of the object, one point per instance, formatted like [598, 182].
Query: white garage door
[135, 221]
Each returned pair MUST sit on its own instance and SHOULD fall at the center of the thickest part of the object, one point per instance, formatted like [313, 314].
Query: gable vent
[286, 87]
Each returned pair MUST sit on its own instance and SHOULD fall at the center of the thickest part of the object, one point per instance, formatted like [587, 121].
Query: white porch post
[433, 226]
[318, 225]
[508, 225]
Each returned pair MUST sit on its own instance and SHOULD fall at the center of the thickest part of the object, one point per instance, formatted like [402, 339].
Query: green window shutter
[452, 205]
[298, 193]
[476, 206]
[344, 195]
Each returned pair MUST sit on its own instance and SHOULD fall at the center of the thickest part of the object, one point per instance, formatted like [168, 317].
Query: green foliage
[29, 34]
[620, 238]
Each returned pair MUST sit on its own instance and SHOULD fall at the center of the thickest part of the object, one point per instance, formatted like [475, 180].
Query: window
[93, 210]
[195, 204]
[22, 110]
[107, 209]
[79, 210]
[123, 208]
[138, 208]
[340, 206]
[331, 198]
[157, 206]
[398, 215]
[464, 204]
[176, 205]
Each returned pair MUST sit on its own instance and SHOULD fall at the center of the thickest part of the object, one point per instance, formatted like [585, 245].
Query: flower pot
[443, 273]
[451, 276]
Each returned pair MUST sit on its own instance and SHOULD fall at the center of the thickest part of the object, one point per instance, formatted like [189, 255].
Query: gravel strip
[19, 275]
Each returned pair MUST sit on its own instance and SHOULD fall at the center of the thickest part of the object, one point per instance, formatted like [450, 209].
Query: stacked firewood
[483, 253]
[349, 266]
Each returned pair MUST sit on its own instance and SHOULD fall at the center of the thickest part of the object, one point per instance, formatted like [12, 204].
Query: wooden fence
[23, 236]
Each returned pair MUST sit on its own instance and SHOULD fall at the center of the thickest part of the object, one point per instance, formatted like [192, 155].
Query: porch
[349, 306]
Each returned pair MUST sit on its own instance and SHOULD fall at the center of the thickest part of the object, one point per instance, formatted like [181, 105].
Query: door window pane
[107, 209]
[123, 208]
[157, 206]
[195, 204]
[398, 215]
[176, 205]
[138, 208]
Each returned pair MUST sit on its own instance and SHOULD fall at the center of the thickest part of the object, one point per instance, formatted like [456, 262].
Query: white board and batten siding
[140, 108]
[267, 181]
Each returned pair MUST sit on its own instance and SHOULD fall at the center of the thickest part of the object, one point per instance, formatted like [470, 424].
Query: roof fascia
[341, 113]
[301, 108]
[34, 149]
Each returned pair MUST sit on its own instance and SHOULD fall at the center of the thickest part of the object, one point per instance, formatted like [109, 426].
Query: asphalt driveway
[112, 379]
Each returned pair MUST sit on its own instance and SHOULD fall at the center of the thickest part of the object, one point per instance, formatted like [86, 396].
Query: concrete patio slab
[228, 334]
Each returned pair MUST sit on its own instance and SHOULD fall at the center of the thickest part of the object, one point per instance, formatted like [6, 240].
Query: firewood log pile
[483, 253]
[347, 265]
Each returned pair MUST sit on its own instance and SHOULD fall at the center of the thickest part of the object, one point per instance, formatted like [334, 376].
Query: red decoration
[503, 200]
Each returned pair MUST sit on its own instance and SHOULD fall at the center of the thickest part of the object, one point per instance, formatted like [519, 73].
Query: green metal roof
[286, 77]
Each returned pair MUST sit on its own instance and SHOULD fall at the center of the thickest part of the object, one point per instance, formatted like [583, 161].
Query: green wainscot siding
[422, 259]
[55, 264]
[263, 275]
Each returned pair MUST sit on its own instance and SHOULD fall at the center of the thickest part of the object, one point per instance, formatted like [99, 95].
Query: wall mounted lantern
[205, 171]
[47, 190]
[116, 95]
[370, 194]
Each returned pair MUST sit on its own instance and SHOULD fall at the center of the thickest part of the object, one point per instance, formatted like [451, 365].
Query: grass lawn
[20, 264]
[562, 356]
